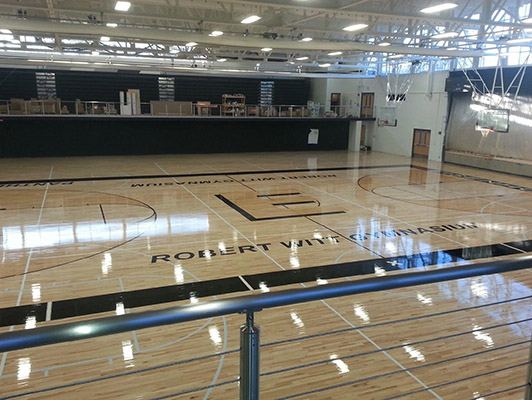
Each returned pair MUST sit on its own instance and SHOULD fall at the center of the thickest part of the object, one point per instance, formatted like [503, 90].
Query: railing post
[249, 359]
[528, 390]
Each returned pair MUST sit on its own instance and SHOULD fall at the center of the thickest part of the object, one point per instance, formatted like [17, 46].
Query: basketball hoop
[485, 131]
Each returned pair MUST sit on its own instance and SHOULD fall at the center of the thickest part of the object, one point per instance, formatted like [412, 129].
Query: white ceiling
[153, 33]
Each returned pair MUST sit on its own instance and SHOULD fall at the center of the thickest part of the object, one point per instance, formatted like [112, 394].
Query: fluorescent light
[384, 44]
[451, 48]
[325, 65]
[522, 40]
[335, 53]
[438, 8]
[5, 31]
[445, 35]
[355, 27]
[95, 53]
[122, 5]
[111, 25]
[301, 58]
[250, 19]
[396, 56]
[191, 44]
[216, 33]
[222, 60]
[105, 39]
[306, 39]
[266, 49]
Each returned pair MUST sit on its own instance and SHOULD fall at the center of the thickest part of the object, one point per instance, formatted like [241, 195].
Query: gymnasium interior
[265, 199]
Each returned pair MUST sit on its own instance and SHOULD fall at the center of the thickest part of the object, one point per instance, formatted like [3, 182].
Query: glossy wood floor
[197, 227]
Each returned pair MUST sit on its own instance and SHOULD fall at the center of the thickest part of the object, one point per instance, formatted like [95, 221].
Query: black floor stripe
[103, 215]
[261, 172]
[475, 178]
[166, 294]
[250, 217]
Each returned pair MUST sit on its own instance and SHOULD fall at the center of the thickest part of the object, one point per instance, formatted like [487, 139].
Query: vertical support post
[355, 133]
[249, 359]
[528, 390]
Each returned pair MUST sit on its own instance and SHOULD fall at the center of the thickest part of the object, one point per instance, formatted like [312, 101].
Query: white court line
[48, 311]
[223, 219]
[280, 266]
[21, 290]
[245, 282]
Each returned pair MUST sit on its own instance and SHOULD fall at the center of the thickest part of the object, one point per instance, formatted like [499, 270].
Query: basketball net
[485, 131]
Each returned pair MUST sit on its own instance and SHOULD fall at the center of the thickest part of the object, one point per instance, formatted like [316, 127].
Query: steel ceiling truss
[479, 23]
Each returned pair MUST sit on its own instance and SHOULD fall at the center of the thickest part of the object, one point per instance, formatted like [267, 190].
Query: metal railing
[251, 304]
[179, 109]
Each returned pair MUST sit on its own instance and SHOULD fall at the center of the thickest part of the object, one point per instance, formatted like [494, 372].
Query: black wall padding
[17, 83]
[104, 86]
[289, 91]
[94, 136]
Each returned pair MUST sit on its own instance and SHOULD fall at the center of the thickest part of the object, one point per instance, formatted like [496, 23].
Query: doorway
[367, 102]
[421, 145]
[336, 102]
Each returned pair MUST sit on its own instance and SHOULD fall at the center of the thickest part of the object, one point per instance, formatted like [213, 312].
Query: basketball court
[83, 239]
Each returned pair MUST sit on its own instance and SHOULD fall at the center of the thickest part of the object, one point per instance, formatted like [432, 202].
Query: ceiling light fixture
[301, 58]
[438, 8]
[5, 31]
[306, 39]
[191, 44]
[325, 65]
[216, 33]
[445, 35]
[250, 19]
[451, 48]
[222, 60]
[266, 49]
[384, 44]
[122, 5]
[355, 27]
[335, 53]
[396, 56]
[111, 25]
[105, 39]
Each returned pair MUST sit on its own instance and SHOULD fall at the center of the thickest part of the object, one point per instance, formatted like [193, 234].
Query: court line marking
[48, 311]
[341, 316]
[246, 283]
[220, 363]
[224, 220]
[363, 335]
[307, 274]
[22, 284]
[168, 175]
[280, 266]
[103, 214]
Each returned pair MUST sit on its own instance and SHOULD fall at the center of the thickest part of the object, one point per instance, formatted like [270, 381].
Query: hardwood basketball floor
[88, 237]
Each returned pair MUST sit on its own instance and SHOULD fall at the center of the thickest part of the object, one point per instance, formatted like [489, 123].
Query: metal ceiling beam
[172, 36]
[340, 13]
